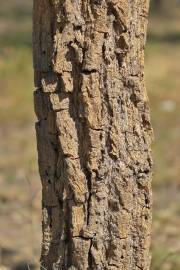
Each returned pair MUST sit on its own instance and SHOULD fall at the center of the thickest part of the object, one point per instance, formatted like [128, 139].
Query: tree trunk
[93, 133]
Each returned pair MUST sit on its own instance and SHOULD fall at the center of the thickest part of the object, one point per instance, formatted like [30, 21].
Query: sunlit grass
[162, 73]
[16, 74]
[16, 77]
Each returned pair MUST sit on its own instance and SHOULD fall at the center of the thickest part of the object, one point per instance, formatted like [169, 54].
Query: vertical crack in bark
[93, 133]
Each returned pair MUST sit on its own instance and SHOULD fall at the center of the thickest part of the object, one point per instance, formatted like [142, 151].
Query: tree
[93, 133]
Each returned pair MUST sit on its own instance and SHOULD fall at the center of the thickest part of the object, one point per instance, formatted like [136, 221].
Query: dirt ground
[20, 199]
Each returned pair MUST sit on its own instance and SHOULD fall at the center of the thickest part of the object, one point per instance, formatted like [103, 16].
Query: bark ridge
[93, 133]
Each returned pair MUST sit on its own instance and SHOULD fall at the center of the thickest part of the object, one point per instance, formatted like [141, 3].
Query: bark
[93, 133]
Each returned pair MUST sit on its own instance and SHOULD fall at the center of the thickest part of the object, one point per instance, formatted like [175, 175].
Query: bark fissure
[93, 133]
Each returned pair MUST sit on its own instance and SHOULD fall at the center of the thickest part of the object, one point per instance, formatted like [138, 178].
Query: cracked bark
[93, 133]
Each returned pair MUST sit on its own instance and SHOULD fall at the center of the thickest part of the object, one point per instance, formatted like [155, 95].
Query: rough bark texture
[93, 133]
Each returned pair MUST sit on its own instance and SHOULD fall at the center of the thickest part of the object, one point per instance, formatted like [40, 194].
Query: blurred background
[20, 215]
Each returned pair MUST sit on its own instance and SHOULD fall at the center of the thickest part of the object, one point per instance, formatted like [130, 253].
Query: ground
[20, 191]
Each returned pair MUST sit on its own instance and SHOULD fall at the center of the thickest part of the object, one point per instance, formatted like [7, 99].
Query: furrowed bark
[93, 133]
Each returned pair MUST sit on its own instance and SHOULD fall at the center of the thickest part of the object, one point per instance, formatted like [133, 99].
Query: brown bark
[93, 133]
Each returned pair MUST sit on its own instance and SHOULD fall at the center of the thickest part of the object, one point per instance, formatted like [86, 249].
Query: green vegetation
[17, 136]
[162, 76]
[15, 62]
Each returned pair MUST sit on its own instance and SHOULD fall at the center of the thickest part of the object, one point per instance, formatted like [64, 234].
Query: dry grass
[163, 86]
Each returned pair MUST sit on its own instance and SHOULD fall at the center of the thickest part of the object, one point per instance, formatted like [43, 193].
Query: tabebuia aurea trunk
[93, 133]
